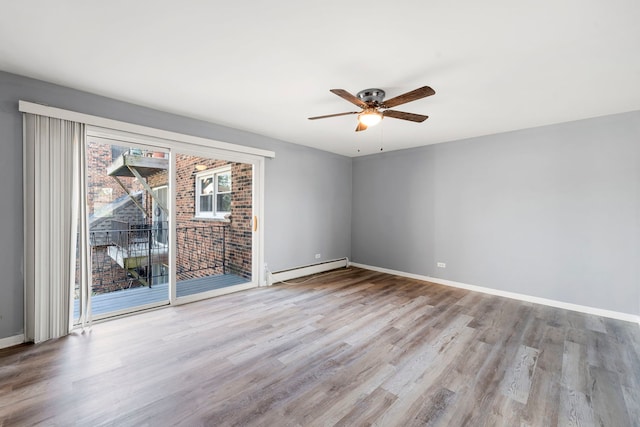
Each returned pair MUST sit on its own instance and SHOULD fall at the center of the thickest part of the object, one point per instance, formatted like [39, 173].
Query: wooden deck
[128, 298]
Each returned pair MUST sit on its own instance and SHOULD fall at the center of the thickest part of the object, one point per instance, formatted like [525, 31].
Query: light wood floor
[351, 347]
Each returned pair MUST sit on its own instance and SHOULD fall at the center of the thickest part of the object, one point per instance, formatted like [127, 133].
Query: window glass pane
[206, 185]
[206, 203]
[224, 182]
[160, 224]
[116, 151]
[223, 202]
[126, 247]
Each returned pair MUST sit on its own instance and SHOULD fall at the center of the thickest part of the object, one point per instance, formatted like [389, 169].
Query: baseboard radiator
[294, 273]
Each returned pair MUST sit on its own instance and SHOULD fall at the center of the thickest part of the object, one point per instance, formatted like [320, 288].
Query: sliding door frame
[258, 277]
[116, 130]
[173, 147]
[132, 142]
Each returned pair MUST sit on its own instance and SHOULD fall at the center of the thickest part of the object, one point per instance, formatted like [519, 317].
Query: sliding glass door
[127, 188]
[214, 236]
[143, 255]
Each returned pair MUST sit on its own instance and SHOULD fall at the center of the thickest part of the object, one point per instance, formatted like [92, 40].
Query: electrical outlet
[318, 256]
[442, 265]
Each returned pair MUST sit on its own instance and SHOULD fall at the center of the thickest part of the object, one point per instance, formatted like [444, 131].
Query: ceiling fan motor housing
[371, 96]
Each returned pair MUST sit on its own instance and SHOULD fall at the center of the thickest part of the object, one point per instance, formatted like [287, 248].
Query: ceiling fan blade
[333, 115]
[405, 116]
[361, 127]
[349, 97]
[419, 93]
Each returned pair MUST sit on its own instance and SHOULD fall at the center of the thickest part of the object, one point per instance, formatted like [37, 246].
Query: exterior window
[117, 151]
[160, 219]
[213, 193]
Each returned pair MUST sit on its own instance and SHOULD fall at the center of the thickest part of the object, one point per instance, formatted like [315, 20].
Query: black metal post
[224, 250]
[150, 242]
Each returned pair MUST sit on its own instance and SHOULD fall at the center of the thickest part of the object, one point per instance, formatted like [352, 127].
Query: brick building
[129, 229]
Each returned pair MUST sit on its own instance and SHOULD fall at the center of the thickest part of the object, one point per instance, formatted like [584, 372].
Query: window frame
[165, 232]
[212, 173]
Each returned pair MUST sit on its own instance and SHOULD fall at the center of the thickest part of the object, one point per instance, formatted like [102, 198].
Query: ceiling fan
[374, 108]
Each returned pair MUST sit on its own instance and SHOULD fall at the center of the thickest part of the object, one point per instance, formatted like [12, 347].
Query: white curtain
[55, 215]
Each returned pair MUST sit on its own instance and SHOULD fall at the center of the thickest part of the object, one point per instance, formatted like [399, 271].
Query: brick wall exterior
[202, 242]
[101, 188]
[108, 276]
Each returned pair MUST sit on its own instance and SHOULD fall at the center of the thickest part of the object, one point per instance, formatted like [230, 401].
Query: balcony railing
[201, 249]
[133, 255]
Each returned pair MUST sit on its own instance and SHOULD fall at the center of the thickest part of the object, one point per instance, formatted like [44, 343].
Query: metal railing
[138, 152]
[128, 255]
[201, 249]
[136, 254]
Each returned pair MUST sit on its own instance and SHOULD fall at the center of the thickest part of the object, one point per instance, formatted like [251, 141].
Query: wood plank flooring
[347, 348]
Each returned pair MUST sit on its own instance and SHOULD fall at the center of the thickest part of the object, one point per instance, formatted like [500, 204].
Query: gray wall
[552, 212]
[307, 191]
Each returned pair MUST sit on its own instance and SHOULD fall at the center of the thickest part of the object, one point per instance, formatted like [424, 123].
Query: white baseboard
[513, 295]
[294, 273]
[11, 341]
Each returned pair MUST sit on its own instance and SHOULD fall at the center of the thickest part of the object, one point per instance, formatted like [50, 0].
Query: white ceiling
[264, 67]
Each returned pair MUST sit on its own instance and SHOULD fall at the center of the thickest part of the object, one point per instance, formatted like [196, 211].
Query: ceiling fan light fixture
[372, 100]
[370, 117]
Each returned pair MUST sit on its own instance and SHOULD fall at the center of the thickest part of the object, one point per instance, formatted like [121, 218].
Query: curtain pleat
[54, 214]
[83, 250]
